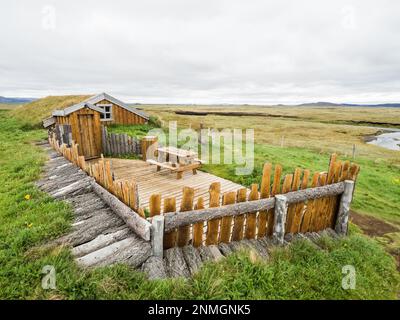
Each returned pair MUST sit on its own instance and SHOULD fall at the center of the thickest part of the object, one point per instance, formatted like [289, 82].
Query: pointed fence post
[344, 208]
[157, 236]
[281, 207]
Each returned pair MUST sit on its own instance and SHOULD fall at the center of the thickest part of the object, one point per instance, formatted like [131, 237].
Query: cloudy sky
[201, 51]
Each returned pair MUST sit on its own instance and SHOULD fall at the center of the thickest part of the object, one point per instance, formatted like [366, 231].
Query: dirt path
[371, 226]
[376, 228]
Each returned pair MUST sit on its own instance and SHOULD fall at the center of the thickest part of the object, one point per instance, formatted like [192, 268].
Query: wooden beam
[315, 193]
[139, 225]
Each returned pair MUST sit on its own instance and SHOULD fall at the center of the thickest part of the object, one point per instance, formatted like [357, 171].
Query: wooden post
[226, 222]
[251, 222]
[238, 225]
[170, 237]
[292, 208]
[265, 191]
[186, 205]
[198, 227]
[212, 225]
[157, 235]
[300, 207]
[276, 188]
[344, 208]
[155, 205]
[133, 196]
[309, 214]
[281, 207]
[149, 144]
[104, 139]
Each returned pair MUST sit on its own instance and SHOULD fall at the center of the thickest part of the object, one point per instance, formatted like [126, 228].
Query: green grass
[298, 272]
[138, 130]
[378, 185]
[32, 114]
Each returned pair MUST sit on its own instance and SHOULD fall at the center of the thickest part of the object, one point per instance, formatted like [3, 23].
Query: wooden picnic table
[177, 160]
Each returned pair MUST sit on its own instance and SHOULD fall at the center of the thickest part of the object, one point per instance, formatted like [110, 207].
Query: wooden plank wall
[308, 216]
[122, 116]
[72, 120]
[63, 134]
[115, 144]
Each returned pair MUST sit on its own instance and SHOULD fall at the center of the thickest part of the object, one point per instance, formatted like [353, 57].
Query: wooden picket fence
[294, 203]
[312, 213]
[126, 191]
[116, 144]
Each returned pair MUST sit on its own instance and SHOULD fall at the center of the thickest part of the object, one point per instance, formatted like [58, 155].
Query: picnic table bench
[177, 160]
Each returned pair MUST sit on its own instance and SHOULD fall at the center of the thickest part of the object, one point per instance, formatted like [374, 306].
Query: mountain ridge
[15, 100]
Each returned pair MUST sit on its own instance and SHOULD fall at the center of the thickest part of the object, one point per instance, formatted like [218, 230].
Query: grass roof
[34, 112]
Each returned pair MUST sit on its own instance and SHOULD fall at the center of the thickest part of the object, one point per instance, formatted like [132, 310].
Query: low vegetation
[307, 141]
[8, 106]
[32, 114]
[319, 129]
[30, 218]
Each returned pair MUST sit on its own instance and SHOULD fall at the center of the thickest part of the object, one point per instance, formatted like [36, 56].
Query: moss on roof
[33, 113]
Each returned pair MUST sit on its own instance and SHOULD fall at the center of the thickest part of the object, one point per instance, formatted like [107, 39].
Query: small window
[106, 115]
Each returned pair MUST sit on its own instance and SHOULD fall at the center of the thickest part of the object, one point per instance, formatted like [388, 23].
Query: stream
[389, 140]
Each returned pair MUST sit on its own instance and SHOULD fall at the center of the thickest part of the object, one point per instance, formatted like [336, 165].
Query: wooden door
[88, 143]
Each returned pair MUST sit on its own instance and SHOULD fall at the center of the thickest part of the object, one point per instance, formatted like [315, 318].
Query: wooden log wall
[63, 134]
[116, 144]
[307, 211]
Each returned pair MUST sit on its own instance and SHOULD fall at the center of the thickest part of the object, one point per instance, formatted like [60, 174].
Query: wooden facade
[86, 131]
[87, 118]
[121, 115]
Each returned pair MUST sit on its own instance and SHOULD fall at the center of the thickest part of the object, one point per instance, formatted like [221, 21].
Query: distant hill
[330, 104]
[15, 100]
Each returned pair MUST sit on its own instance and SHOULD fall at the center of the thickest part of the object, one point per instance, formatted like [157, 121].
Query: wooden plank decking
[164, 182]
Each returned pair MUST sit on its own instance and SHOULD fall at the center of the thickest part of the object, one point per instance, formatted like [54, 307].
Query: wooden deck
[164, 182]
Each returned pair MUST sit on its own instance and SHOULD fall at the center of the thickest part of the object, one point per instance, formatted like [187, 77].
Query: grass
[8, 106]
[138, 130]
[376, 175]
[32, 114]
[307, 141]
[338, 114]
[298, 272]
[320, 129]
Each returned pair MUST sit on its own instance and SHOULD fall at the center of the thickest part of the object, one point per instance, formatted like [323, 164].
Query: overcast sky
[189, 51]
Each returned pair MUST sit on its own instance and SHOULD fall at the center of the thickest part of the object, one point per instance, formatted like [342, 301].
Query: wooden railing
[274, 210]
